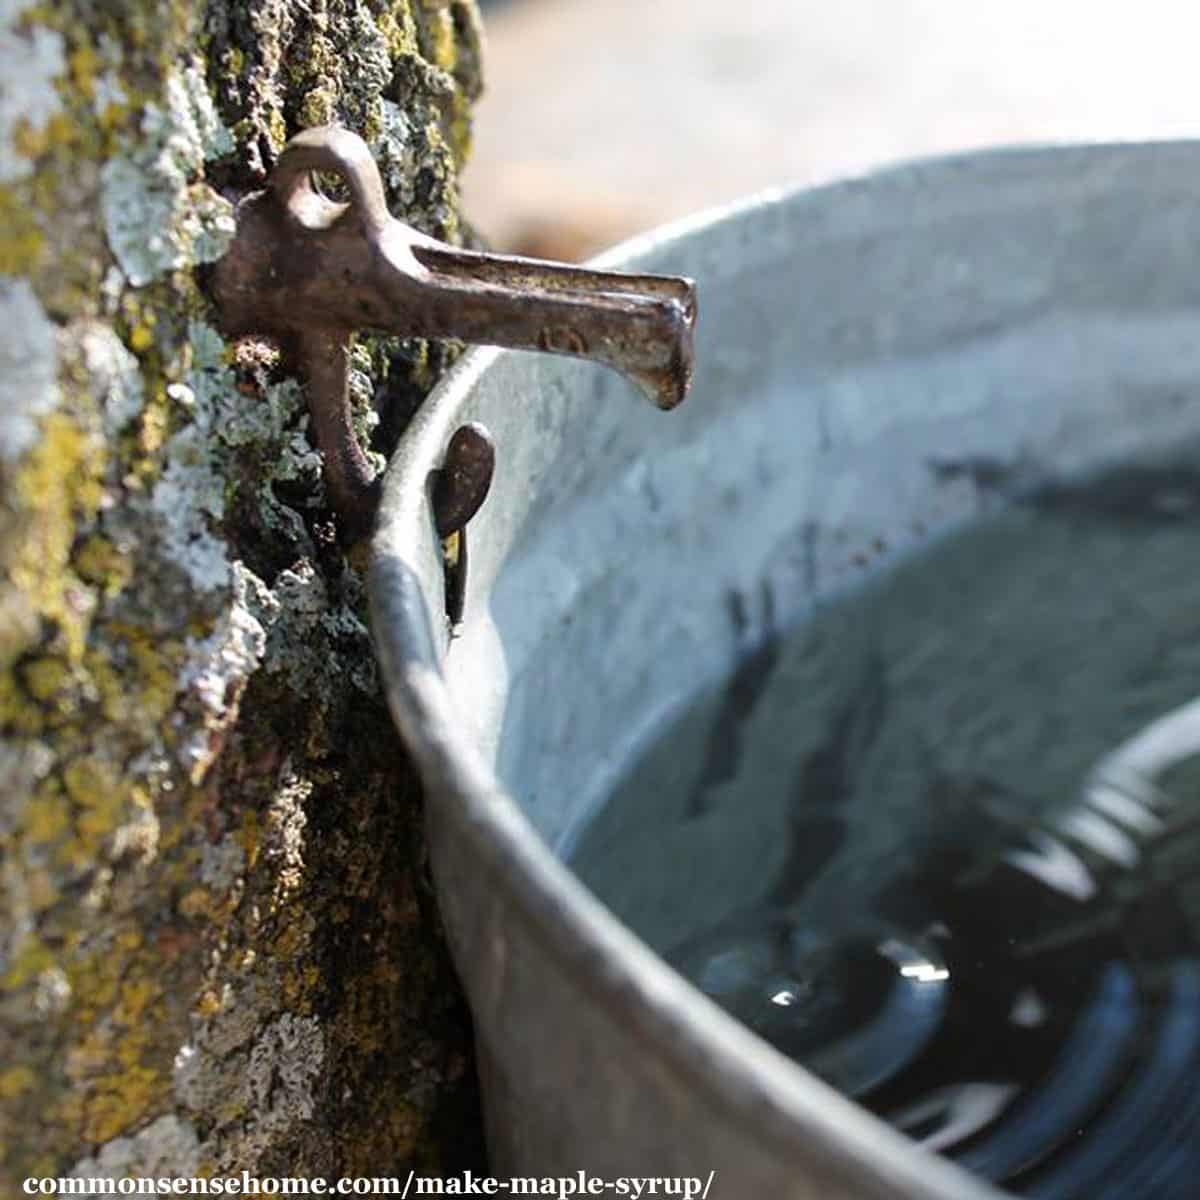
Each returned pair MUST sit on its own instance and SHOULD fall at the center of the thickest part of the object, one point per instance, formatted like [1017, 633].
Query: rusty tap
[308, 271]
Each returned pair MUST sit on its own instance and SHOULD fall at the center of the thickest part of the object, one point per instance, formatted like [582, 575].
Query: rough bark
[218, 948]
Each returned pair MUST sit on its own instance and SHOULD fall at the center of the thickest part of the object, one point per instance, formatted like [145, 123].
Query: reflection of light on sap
[913, 965]
[925, 972]
[1162, 744]
[960, 1110]
[1120, 799]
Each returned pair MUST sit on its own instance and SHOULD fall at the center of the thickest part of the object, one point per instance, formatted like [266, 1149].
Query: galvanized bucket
[1037, 306]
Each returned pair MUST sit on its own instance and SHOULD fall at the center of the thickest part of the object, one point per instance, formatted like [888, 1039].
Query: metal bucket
[1034, 306]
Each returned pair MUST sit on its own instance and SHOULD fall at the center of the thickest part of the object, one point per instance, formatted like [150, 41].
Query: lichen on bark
[218, 949]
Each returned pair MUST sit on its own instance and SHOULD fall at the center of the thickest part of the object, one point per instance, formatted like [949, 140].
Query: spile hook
[309, 271]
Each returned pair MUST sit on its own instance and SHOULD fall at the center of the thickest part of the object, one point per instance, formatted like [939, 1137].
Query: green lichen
[158, 215]
[32, 58]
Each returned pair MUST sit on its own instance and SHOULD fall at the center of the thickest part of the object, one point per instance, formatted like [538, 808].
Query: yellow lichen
[19, 713]
[60, 483]
[208, 1004]
[15, 1081]
[399, 31]
[32, 143]
[30, 959]
[123, 1098]
[101, 798]
[46, 677]
[83, 64]
[251, 838]
[115, 699]
[319, 107]
[155, 424]
[44, 818]
[21, 241]
[114, 1088]
[291, 941]
[98, 562]
[136, 997]
[115, 1064]
[461, 128]
[195, 903]
[41, 890]
[157, 666]
[441, 31]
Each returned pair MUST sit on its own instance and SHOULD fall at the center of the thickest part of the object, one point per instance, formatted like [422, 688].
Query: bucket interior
[878, 364]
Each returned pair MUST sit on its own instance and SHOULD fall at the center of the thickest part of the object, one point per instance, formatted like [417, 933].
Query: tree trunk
[218, 946]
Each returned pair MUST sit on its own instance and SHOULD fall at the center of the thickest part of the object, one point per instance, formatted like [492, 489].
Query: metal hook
[309, 272]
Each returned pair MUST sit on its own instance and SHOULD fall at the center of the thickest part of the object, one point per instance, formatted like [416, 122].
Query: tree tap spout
[309, 271]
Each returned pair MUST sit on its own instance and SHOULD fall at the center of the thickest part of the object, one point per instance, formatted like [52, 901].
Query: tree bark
[218, 945]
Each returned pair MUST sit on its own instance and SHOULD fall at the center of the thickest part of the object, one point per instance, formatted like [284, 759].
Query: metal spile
[308, 272]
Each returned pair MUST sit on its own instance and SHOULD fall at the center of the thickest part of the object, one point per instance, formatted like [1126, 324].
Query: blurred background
[605, 117]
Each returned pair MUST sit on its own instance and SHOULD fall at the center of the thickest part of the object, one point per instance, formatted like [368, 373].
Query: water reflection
[951, 860]
[1041, 1046]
